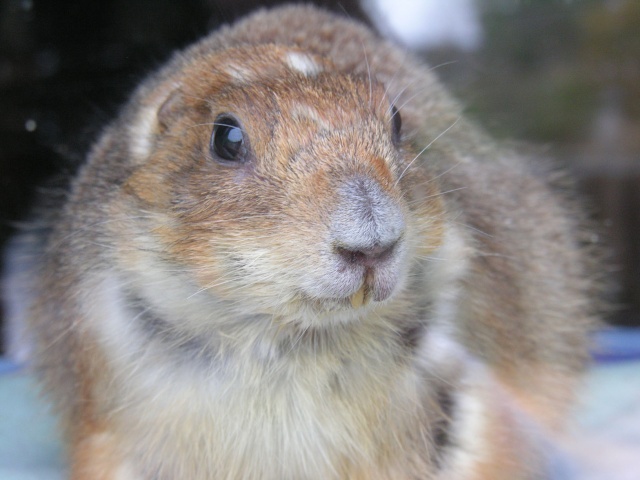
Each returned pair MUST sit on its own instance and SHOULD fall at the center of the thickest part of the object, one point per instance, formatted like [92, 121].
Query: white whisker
[425, 149]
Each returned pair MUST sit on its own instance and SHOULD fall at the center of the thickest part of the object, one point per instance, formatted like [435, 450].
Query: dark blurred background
[561, 74]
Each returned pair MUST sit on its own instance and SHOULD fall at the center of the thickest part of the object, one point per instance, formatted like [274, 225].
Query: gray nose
[366, 256]
[367, 224]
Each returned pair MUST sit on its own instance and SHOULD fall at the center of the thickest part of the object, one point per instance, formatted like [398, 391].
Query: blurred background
[564, 75]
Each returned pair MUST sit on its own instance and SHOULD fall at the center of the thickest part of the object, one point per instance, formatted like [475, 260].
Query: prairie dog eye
[396, 124]
[227, 140]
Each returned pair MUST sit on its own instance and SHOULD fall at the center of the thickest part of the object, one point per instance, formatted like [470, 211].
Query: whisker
[395, 99]
[386, 90]
[424, 149]
[439, 194]
[366, 61]
[470, 227]
[443, 64]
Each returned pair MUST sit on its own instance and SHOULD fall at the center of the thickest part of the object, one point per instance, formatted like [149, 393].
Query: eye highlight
[227, 142]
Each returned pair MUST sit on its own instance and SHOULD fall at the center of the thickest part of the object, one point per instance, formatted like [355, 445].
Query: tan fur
[96, 456]
[199, 319]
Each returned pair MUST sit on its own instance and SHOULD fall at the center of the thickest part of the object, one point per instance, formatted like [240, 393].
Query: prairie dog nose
[367, 224]
[366, 256]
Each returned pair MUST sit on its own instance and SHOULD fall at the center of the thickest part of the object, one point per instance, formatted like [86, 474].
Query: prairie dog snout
[367, 229]
[290, 257]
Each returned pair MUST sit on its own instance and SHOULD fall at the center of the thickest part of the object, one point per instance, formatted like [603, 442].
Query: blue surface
[606, 444]
[30, 448]
[617, 344]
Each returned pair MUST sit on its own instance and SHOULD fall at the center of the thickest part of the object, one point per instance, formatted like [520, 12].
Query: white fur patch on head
[238, 73]
[306, 112]
[303, 63]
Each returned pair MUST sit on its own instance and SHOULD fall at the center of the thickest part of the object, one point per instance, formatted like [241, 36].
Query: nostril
[366, 256]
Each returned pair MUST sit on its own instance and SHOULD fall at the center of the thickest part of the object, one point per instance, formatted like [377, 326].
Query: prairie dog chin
[291, 257]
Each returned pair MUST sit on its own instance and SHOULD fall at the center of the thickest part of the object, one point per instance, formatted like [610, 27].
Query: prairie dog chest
[305, 413]
[304, 425]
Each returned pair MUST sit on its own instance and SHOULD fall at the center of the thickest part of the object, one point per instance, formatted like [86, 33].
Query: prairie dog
[290, 257]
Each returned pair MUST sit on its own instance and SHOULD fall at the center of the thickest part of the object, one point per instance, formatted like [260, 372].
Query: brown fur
[187, 323]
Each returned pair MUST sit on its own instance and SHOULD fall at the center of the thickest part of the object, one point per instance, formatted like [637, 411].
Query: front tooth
[357, 299]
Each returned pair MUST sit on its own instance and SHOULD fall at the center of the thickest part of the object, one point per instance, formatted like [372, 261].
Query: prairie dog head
[270, 183]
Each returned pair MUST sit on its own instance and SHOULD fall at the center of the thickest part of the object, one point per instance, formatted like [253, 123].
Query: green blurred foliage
[544, 65]
[612, 49]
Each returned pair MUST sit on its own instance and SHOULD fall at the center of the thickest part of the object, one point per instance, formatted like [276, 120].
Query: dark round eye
[396, 120]
[227, 140]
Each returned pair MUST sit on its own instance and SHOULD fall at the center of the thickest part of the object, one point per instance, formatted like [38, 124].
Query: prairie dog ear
[169, 108]
[152, 118]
